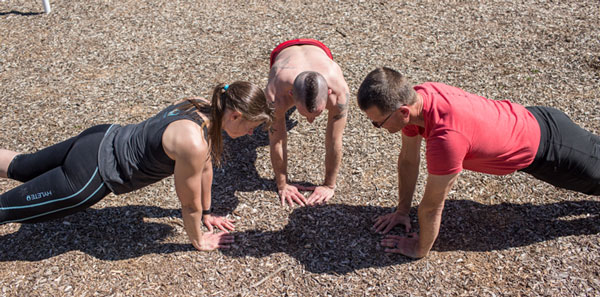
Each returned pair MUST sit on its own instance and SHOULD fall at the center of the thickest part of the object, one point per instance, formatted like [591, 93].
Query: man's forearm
[278, 152]
[333, 159]
[279, 163]
[408, 174]
[333, 145]
[430, 218]
[430, 210]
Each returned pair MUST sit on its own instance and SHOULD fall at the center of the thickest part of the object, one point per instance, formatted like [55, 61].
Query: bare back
[296, 59]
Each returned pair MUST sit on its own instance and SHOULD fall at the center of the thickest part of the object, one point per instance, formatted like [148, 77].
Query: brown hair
[386, 89]
[241, 96]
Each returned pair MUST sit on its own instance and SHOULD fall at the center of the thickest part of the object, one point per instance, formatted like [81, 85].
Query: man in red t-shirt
[467, 131]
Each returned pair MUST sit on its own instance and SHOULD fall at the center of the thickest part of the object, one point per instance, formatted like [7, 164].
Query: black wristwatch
[207, 212]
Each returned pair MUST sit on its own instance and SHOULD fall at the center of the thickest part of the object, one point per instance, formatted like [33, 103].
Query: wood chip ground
[103, 61]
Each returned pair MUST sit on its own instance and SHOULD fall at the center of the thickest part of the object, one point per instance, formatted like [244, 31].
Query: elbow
[408, 163]
[189, 207]
[190, 204]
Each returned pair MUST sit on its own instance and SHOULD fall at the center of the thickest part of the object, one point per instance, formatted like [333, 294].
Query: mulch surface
[93, 62]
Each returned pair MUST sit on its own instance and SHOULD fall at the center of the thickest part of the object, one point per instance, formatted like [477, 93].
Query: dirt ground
[92, 62]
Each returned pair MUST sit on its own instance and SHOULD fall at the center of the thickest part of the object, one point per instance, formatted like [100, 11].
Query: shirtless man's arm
[278, 93]
[336, 122]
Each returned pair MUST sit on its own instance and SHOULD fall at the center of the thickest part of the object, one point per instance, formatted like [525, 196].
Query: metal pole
[47, 8]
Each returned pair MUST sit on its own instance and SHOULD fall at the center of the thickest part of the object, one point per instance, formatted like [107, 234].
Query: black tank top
[131, 157]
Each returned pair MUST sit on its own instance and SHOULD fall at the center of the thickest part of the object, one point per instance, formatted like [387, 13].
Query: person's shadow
[112, 233]
[332, 238]
[338, 238]
[238, 171]
[471, 226]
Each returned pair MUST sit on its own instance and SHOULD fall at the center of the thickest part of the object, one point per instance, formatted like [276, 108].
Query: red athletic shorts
[293, 42]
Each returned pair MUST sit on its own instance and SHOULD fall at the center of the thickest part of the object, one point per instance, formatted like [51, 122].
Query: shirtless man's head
[310, 94]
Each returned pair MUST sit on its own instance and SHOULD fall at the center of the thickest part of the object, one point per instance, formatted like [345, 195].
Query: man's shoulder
[279, 98]
[332, 71]
[282, 76]
[337, 83]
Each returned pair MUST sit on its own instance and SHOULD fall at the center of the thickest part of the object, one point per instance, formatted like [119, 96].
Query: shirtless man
[303, 74]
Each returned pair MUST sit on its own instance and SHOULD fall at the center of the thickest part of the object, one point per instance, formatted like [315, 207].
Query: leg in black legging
[71, 185]
[35, 164]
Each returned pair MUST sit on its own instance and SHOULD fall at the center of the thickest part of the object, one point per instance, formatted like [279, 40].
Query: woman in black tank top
[183, 139]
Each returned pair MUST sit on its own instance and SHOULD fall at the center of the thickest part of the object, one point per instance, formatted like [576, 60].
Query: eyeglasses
[378, 125]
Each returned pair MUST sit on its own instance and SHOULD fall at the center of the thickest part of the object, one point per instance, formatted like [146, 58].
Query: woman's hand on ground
[210, 241]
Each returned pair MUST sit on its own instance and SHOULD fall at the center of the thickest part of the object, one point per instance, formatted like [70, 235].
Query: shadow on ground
[15, 12]
[471, 226]
[337, 238]
[112, 233]
[332, 238]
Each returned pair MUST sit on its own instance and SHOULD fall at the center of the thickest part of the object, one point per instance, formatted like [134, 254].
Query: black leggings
[568, 156]
[58, 180]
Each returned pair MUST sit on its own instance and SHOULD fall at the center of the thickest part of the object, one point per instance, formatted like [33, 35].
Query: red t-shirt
[464, 130]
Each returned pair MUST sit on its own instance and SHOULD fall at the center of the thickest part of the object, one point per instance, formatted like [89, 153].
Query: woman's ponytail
[219, 104]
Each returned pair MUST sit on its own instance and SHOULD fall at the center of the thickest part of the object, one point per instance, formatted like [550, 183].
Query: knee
[6, 160]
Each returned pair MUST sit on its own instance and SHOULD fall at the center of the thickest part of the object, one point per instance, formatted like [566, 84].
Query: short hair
[310, 88]
[386, 89]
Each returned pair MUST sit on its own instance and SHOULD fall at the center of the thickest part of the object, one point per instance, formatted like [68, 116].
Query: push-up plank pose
[303, 74]
[467, 131]
[183, 139]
